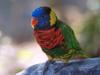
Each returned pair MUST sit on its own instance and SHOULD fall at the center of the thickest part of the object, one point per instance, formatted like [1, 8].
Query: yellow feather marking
[52, 18]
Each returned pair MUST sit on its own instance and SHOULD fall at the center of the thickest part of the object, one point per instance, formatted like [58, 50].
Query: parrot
[56, 39]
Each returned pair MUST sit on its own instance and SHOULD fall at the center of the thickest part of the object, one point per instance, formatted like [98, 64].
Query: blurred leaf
[91, 33]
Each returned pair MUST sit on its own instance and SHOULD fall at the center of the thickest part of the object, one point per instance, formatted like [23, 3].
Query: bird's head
[43, 18]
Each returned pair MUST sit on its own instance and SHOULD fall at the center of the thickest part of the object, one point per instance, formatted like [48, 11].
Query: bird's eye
[43, 16]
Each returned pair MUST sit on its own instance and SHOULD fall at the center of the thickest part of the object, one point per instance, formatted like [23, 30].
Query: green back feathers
[69, 36]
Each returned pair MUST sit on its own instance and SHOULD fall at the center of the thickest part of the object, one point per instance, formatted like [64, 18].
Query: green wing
[69, 36]
[71, 41]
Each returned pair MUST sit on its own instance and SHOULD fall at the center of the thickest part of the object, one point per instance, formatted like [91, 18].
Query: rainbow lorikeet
[56, 38]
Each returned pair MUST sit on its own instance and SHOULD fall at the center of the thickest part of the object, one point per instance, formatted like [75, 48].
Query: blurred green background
[18, 48]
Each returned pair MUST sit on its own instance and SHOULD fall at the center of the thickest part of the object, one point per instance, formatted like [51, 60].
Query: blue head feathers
[41, 11]
[42, 15]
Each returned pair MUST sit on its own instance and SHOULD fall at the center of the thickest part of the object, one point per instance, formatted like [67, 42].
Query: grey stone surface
[90, 66]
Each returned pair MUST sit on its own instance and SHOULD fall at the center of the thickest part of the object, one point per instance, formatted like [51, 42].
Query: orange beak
[34, 22]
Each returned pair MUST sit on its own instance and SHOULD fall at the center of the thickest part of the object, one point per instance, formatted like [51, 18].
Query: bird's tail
[83, 54]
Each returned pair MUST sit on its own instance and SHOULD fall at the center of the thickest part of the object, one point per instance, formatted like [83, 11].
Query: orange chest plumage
[50, 38]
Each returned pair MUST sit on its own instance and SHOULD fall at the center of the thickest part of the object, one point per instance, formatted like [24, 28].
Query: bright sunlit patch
[29, 54]
[24, 55]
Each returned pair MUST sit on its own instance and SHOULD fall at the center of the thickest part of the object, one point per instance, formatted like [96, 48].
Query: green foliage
[91, 33]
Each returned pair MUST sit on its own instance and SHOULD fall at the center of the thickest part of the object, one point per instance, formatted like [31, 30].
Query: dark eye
[43, 16]
[46, 22]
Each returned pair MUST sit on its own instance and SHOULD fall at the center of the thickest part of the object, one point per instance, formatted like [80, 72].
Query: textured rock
[90, 66]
